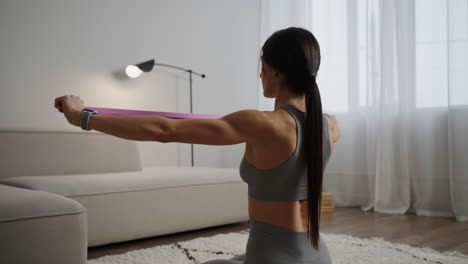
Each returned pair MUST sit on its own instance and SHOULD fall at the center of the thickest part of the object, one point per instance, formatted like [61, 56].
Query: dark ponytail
[296, 53]
[314, 155]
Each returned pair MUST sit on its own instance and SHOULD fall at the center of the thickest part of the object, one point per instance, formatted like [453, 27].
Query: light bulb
[133, 71]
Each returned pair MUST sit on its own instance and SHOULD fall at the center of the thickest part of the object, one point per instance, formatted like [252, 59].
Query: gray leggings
[239, 259]
[269, 244]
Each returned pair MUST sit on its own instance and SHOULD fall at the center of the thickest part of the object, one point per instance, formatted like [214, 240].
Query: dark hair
[296, 53]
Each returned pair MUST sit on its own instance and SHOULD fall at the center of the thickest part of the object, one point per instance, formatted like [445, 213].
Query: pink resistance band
[172, 115]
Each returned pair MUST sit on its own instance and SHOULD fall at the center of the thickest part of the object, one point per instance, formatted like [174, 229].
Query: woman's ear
[279, 76]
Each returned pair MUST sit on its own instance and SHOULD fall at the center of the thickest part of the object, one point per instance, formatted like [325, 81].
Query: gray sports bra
[287, 182]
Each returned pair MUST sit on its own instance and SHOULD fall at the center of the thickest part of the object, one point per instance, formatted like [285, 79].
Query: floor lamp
[135, 70]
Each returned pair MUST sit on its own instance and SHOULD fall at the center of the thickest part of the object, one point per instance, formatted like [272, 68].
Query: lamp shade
[133, 71]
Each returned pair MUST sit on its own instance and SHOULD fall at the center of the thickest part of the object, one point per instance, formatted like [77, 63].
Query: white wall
[50, 48]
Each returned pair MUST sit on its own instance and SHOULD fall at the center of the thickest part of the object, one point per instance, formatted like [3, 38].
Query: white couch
[100, 178]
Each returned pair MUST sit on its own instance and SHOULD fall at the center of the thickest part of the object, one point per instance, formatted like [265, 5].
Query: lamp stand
[148, 66]
[191, 111]
[151, 62]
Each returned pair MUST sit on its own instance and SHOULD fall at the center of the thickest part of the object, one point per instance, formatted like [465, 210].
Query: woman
[286, 150]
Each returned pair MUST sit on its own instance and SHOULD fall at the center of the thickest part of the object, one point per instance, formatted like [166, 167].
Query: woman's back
[281, 200]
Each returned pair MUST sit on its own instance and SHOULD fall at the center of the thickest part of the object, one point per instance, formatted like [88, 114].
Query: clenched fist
[71, 106]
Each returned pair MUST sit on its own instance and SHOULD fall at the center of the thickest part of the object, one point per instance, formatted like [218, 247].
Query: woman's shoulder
[250, 118]
[255, 124]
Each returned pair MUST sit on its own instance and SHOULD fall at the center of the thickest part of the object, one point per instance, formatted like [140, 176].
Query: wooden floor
[442, 234]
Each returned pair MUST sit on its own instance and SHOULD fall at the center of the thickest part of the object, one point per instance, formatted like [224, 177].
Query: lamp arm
[179, 68]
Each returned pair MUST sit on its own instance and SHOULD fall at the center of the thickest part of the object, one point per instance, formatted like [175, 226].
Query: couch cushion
[147, 179]
[19, 204]
[155, 201]
[45, 153]
[41, 228]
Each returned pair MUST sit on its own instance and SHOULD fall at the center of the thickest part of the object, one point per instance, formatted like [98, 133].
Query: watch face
[89, 110]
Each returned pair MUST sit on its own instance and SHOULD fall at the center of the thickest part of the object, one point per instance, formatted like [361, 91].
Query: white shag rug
[343, 249]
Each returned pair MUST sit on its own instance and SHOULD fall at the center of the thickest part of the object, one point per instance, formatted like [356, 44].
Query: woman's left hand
[71, 106]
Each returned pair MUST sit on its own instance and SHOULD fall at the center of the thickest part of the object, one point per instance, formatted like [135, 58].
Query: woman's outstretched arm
[334, 129]
[235, 128]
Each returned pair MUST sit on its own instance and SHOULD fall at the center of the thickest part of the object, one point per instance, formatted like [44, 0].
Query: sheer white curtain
[395, 74]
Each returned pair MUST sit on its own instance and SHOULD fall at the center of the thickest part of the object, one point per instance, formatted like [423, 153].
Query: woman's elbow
[163, 133]
[337, 132]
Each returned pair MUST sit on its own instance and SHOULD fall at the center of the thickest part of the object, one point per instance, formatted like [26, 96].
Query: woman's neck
[287, 98]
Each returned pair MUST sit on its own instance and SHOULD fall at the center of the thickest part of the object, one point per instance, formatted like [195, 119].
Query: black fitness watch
[84, 120]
